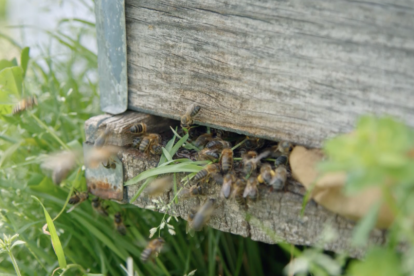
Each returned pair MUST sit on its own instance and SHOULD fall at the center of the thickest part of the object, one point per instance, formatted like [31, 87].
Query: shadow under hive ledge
[274, 217]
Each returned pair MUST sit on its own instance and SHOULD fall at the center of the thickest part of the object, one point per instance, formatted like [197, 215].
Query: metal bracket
[106, 183]
[112, 61]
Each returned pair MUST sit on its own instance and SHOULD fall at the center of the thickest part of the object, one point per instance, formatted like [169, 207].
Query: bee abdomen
[144, 145]
[281, 160]
[146, 254]
[200, 175]
[195, 110]
[138, 128]
[136, 142]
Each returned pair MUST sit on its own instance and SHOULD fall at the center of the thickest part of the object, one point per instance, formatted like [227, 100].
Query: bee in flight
[191, 112]
[98, 207]
[101, 139]
[192, 191]
[153, 248]
[159, 186]
[27, 103]
[203, 215]
[119, 224]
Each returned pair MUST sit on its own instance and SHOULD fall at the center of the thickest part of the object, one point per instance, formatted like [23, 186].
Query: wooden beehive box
[301, 71]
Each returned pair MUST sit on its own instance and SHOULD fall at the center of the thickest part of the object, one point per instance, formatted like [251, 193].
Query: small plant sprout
[7, 244]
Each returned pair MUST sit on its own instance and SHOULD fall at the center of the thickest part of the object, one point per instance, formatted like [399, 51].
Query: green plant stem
[50, 131]
[239, 144]
[16, 267]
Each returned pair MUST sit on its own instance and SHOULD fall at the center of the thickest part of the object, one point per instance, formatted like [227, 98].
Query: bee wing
[73, 207]
[226, 189]
[159, 186]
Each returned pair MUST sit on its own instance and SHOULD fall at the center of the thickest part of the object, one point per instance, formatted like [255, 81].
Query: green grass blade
[176, 168]
[167, 154]
[57, 246]
[179, 144]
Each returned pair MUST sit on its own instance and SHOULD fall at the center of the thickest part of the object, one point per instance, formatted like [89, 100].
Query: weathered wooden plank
[277, 213]
[294, 70]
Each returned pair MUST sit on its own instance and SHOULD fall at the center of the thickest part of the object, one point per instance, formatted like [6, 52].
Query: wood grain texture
[299, 70]
[274, 217]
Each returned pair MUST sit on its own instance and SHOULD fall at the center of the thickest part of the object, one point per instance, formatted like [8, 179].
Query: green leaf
[176, 168]
[167, 154]
[361, 231]
[24, 59]
[11, 80]
[4, 63]
[179, 144]
[378, 262]
[57, 246]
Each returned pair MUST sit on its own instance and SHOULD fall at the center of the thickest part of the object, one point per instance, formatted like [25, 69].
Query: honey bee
[203, 215]
[226, 160]
[190, 218]
[97, 205]
[156, 149]
[27, 103]
[266, 174]
[191, 112]
[153, 248]
[279, 180]
[119, 224]
[193, 191]
[250, 162]
[78, 197]
[96, 156]
[203, 139]
[138, 129]
[217, 143]
[148, 141]
[284, 147]
[281, 160]
[110, 164]
[238, 191]
[208, 154]
[253, 143]
[159, 186]
[136, 142]
[251, 191]
[228, 181]
[208, 170]
[60, 164]
[100, 141]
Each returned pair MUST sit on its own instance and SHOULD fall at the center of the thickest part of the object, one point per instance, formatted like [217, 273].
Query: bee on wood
[194, 190]
[238, 191]
[156, 149]
[136, 142]
[281, 160]
[78, 197]
[251, 191]
[279, 180]
[150, 143]
[138, 129]
[153, 248]
[226, 160]
[228, 181]
[253, 143]
[208, 154]
[203, 215]
[97, 206]
[27, 103]
[191, 112]
[266, 174]
[159, 186]
[207, 171]
[284, 147]
[119, 224]
[110, 164]
[250, 162]
[203, 139]
[217, 143]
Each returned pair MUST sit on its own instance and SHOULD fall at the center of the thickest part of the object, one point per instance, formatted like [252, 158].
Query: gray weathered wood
[274, 217]
[295, 70]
